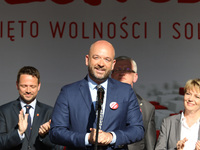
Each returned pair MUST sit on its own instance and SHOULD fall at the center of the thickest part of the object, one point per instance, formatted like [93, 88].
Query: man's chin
[100, 78]
[27, 100]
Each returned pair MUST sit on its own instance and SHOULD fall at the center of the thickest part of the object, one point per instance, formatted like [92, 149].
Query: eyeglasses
[124, 70]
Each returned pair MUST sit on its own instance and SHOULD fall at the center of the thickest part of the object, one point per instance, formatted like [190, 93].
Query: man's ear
[86, 60]
[17, 85]
[113, 65]
[135, 77]
[39, 86]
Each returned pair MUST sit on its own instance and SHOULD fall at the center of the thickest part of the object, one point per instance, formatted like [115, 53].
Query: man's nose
[28, 89]
[101, 63]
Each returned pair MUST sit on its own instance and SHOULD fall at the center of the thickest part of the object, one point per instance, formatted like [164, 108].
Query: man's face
[28, 87]
[123, 72]
[100, 62]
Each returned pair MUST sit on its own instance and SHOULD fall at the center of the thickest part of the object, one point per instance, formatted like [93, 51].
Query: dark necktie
[29, 119]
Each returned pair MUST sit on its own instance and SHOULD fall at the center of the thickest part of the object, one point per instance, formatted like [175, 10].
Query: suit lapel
[37, 120]
[85, 92]
[17, 107]
[178, 125]
[140, 103]
[110, 94]
[84, 89]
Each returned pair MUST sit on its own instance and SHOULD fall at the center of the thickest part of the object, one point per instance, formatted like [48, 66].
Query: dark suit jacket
[170, 133]
[74, 115]
[148, 113]
[9, 138]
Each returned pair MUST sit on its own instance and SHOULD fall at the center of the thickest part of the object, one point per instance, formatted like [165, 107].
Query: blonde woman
[181, 132]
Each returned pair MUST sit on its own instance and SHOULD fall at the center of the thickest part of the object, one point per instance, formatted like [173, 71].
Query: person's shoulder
[44, 106]
[9, 104]
[74, 84]
[7, 107]
[119, 84]
[144, 101]
[149, 105]
[172, 118]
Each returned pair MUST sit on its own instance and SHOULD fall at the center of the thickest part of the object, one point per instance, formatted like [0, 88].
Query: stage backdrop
[55, 35]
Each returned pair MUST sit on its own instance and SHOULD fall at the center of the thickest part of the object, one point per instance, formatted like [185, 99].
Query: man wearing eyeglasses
[125, 70]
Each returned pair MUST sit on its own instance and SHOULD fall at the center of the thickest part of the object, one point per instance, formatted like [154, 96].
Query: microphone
[100, 95]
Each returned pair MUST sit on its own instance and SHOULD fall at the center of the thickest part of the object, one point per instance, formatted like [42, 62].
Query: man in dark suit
[74, 118]
[125, 70]
[20, 131]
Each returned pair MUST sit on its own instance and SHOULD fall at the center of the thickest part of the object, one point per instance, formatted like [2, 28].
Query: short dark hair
[29, 70]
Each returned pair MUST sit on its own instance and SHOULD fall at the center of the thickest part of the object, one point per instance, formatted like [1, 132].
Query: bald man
[74, 118]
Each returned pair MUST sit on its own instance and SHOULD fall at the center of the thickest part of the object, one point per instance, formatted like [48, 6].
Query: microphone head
[100, 94]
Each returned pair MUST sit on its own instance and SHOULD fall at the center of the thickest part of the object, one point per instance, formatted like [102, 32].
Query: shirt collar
[183, 119]
[92, 84]
[33, 103]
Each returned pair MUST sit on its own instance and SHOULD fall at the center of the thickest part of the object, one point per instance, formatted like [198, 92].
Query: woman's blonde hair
[192, 84]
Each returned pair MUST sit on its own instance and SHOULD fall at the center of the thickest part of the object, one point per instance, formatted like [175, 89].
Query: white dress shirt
[31, 113]
[191, 133]
[93, 91]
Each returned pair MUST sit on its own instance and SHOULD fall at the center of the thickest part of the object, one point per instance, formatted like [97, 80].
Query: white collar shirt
[191, 133]
[93, 91]
[32, 109]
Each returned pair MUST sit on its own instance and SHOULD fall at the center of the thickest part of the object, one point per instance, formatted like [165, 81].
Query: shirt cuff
[21, 136]
[114, 138]
[86, 140]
